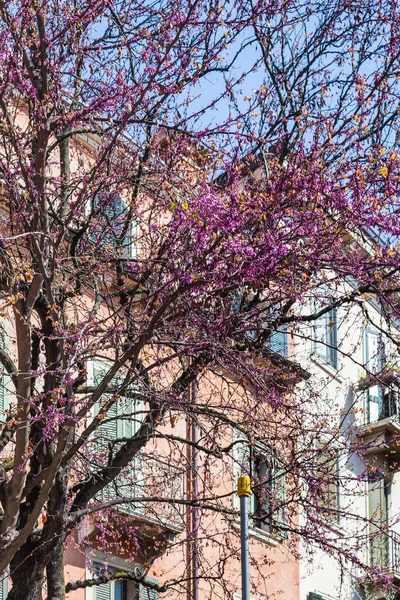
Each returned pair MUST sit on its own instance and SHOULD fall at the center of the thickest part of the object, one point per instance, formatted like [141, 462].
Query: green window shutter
[314, 596]
[279, 488]
[4, 381]
[378, 515]
[4, 587]
[241, 466]
[108, 430]
[123, 419]
[327, 464]
[132, 480]
[128, 417]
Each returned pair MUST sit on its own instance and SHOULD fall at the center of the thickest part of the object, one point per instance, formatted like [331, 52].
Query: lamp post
[244, 492]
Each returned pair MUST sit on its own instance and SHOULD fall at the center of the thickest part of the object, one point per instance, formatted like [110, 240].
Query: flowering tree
[146, 245]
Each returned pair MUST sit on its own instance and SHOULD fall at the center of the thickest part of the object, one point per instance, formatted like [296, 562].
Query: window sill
[332, 371]
[259, 534]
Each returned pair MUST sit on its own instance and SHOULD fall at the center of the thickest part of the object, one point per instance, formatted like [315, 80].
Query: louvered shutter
[146, 593]
[123, 419]
[3, 587]
[104, 591]
[327, 460]
[279, 488]
[131, 481]
[4, 382]
[378, 515]
[241, 466]
[108, 429]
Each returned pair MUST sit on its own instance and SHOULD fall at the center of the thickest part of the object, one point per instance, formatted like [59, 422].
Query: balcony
[380, 432]
[147, 477]
[384, 558]
[156, 487]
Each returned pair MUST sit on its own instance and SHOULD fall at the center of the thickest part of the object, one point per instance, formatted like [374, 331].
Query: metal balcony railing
[147, 477]
[384, 552]
[381, 404]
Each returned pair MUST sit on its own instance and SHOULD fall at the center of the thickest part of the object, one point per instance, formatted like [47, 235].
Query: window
[278, 341]
[327, 480]
[378, 509]
[146, 593]
[269, 489]
[268, 480]
[325, 331]
[377, 407]
[113, 590]
[119, 589]
[122, 421]
[109, 218]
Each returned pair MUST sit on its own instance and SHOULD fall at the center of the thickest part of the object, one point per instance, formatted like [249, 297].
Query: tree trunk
[55, 573]
[27, 574]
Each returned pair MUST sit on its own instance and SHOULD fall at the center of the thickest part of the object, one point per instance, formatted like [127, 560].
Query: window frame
[325, 349]
[379, 358]
[121, 431]
[130, 250]
[334, 517]
[243, 454]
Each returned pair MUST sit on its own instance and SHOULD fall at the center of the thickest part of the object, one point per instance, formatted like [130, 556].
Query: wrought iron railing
[384, 551]
[381, 403]
[146, 478]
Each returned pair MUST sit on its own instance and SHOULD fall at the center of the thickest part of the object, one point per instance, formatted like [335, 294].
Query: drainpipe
[192, 515]
[189, 510]
[195, 495]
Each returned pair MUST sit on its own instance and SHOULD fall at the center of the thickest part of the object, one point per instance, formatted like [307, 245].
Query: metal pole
[195, 495]
[244, 491]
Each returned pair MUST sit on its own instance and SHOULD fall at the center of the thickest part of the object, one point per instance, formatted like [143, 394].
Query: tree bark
[27, 573]
[55, 573]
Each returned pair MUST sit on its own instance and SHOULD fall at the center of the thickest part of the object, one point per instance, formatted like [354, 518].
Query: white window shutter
[104, 591]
